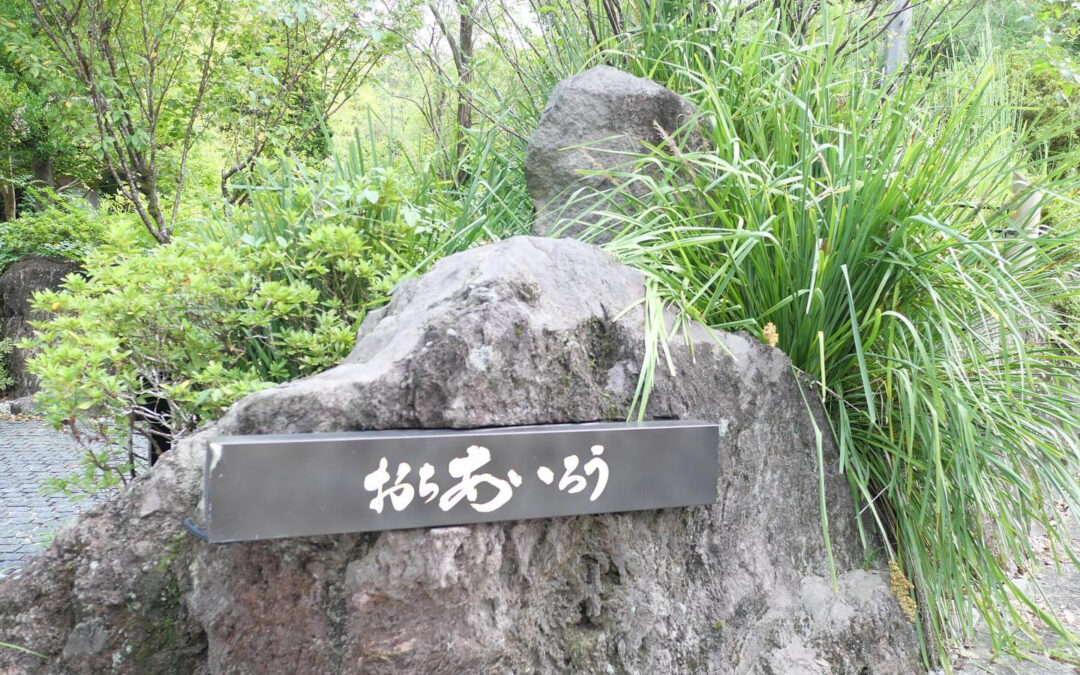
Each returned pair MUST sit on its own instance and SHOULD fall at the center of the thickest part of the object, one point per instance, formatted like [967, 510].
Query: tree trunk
[614, 13]
[44, 176]
[896, 49]
[43, 172]
[791, 15]
[464, 67]
[8, 192]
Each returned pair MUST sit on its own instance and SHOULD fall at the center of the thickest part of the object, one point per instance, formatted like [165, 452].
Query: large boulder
[18, 284]
[526, 331]
[598, 121]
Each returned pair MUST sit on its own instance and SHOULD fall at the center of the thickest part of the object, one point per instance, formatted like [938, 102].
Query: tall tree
[40, 116]
[289, 70]
[795, 15]
[133, 59]
[462, 51]
[899, 26]
[159, 73]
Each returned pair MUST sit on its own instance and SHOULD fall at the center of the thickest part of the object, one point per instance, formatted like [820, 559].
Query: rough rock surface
[527, 331]
[596, 121]
[18, 283]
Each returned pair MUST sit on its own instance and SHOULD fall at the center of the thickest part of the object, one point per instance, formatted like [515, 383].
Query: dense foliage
[59, 230]
[864, 222]
[5, 377]
[273, 293]
[1045, 99]
[890, 285]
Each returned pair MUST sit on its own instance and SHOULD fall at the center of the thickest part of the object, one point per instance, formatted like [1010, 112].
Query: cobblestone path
[29, 453]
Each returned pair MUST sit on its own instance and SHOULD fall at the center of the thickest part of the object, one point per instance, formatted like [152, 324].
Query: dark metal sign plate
[264, 487]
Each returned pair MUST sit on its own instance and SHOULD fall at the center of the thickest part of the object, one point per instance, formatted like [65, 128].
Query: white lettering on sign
[597, 466]
[427, 489]
[400, 495]
[545, 474]
[462, 467]
[465, 470]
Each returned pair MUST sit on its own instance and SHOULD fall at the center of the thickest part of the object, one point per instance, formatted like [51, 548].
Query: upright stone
[526, 331]
[18, 284]
[597, 121]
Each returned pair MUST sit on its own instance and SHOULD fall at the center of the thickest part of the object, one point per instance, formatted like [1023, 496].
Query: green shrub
[6, 381]
[273, 292]
[1045, 97]
[60, 230]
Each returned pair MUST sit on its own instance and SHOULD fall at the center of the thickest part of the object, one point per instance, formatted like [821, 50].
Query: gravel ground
[1062, 594]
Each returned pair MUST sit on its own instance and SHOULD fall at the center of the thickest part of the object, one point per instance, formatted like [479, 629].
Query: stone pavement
[29, 453]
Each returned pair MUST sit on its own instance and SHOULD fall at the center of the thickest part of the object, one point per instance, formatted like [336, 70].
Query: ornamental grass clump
[863, 225]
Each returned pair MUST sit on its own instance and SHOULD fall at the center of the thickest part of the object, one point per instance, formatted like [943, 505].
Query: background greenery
[306, 157]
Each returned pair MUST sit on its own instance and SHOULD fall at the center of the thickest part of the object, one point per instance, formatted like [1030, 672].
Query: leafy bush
[1045, 97]
[6, 381]
[273, 292]
[61, 230]
[864, 222]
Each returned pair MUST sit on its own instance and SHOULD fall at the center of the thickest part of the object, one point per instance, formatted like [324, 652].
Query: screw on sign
[476, 456]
